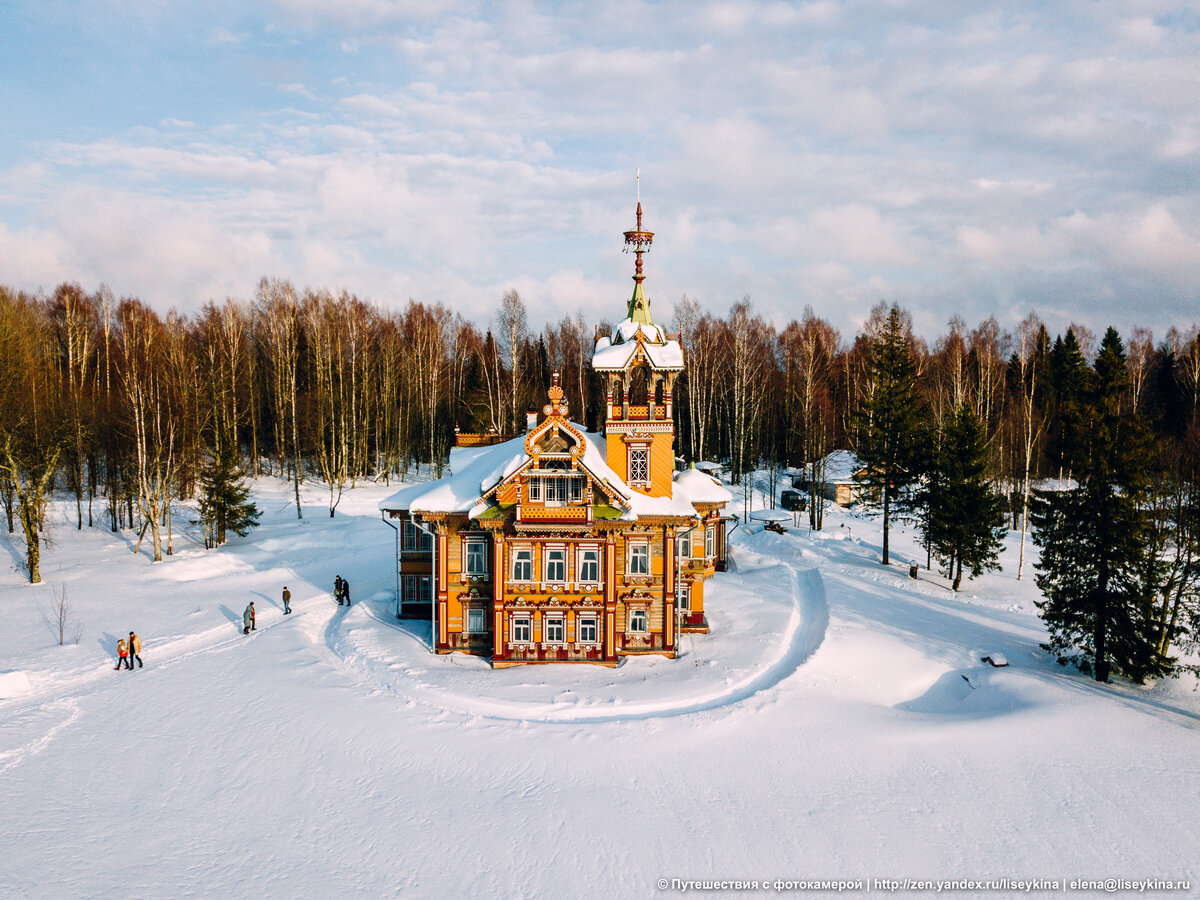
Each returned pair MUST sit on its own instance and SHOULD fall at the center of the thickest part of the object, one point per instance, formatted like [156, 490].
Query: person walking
[248, 619]
[135, 650]
[346, 591]
[123, 655]
[337, 589]
[287, 601]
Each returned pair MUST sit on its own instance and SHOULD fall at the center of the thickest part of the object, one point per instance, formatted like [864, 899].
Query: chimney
[531, 420]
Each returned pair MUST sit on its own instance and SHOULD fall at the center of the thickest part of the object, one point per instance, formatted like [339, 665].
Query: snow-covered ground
[836, 724]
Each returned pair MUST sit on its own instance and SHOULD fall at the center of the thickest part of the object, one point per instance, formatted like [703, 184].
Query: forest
[128, 411]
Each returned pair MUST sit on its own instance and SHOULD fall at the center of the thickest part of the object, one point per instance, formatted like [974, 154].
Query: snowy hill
[837, 723]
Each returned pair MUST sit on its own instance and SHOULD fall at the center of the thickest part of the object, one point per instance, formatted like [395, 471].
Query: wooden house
[562, 545]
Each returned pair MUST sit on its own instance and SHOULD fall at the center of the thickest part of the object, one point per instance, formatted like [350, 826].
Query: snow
[615, 353]
[840, 466]
[14, 684]
[837, 722]
[701, 487]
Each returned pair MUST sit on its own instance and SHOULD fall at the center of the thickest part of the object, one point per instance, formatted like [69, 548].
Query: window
[413, 538]
[522, 631]
[476, 621]
[589, 565]
[477, 557]
[710, 541]
[417, 589]
[683, 546]
[556, 565]
[639, 559]
[588, 633]
[683, 597]
[556, 491]
[576, 487]
[556, 631]
[638, 622]
[534, 489]
[522, 564]
[639, 465]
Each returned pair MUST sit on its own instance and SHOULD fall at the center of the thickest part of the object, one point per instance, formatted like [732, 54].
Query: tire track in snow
[167, 653]
[805, 632]
[11, 758]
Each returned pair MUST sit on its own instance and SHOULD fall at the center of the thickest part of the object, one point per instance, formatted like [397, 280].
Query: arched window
[637, 387]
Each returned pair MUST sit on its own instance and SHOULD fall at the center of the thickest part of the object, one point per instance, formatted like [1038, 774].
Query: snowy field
[836, 724]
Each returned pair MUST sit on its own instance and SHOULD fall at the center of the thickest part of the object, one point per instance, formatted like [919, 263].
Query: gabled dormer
[555, 485]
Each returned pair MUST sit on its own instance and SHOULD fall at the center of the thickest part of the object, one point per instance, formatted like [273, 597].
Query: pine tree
[890, 418]
[225, 503]
[1093, 538]
[963, 518]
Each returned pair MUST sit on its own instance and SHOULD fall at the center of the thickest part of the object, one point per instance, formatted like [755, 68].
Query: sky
[957, 158]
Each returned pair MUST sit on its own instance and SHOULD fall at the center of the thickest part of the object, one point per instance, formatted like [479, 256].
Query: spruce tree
[225, 503]
[963, 517]
[1097, 607]
[889, 421]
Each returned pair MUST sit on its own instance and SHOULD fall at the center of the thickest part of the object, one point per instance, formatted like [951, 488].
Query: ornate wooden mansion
[563, 545]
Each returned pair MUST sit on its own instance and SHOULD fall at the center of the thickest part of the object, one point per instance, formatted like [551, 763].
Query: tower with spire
[639, 363]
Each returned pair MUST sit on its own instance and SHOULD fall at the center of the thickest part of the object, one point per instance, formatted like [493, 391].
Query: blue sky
[958, 158]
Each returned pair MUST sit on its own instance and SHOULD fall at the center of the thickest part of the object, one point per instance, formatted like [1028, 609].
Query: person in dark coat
[337, 590]
[135, 650]
[287, 600]
[346, 591]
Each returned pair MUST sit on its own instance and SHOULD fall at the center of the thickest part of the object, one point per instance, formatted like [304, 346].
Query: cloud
[823, 153]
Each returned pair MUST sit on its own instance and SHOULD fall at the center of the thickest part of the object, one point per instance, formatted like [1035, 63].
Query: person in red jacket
[123, 655]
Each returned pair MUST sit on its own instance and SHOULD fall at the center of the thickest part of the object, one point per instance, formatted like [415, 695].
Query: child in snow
[135, 650]
[123, 655]
[248, 619]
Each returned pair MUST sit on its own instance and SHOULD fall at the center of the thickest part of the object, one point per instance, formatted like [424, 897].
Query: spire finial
[638, 240]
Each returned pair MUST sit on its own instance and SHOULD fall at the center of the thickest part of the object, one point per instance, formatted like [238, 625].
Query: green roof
[639, 306]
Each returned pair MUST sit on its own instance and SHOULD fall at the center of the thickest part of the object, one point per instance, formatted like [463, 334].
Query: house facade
[562, 545]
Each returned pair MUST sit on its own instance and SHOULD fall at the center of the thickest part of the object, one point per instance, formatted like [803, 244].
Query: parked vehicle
[793, 501]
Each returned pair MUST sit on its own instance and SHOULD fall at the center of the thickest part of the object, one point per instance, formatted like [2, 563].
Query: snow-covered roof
[473, 471]
[701, 487]
[615, 352]
[840, 466]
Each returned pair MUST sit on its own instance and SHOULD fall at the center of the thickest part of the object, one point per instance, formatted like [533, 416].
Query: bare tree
[1027, 359]
[61, 619]
[511, 335]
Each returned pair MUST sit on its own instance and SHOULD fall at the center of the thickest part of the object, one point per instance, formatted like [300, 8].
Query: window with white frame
[413, 538]
[556, 630]
[710, 541]
[589, 565]
[575, 487]
[534, 489]
[556, 491]
[683, 546]
[476, 556]
[522, 629]
[589, 633]
[683, 596]
[417, 588]
[638, 621]
[522, 564]
[639, 558]
[639, 466]
[476, 619]
[555, 564]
